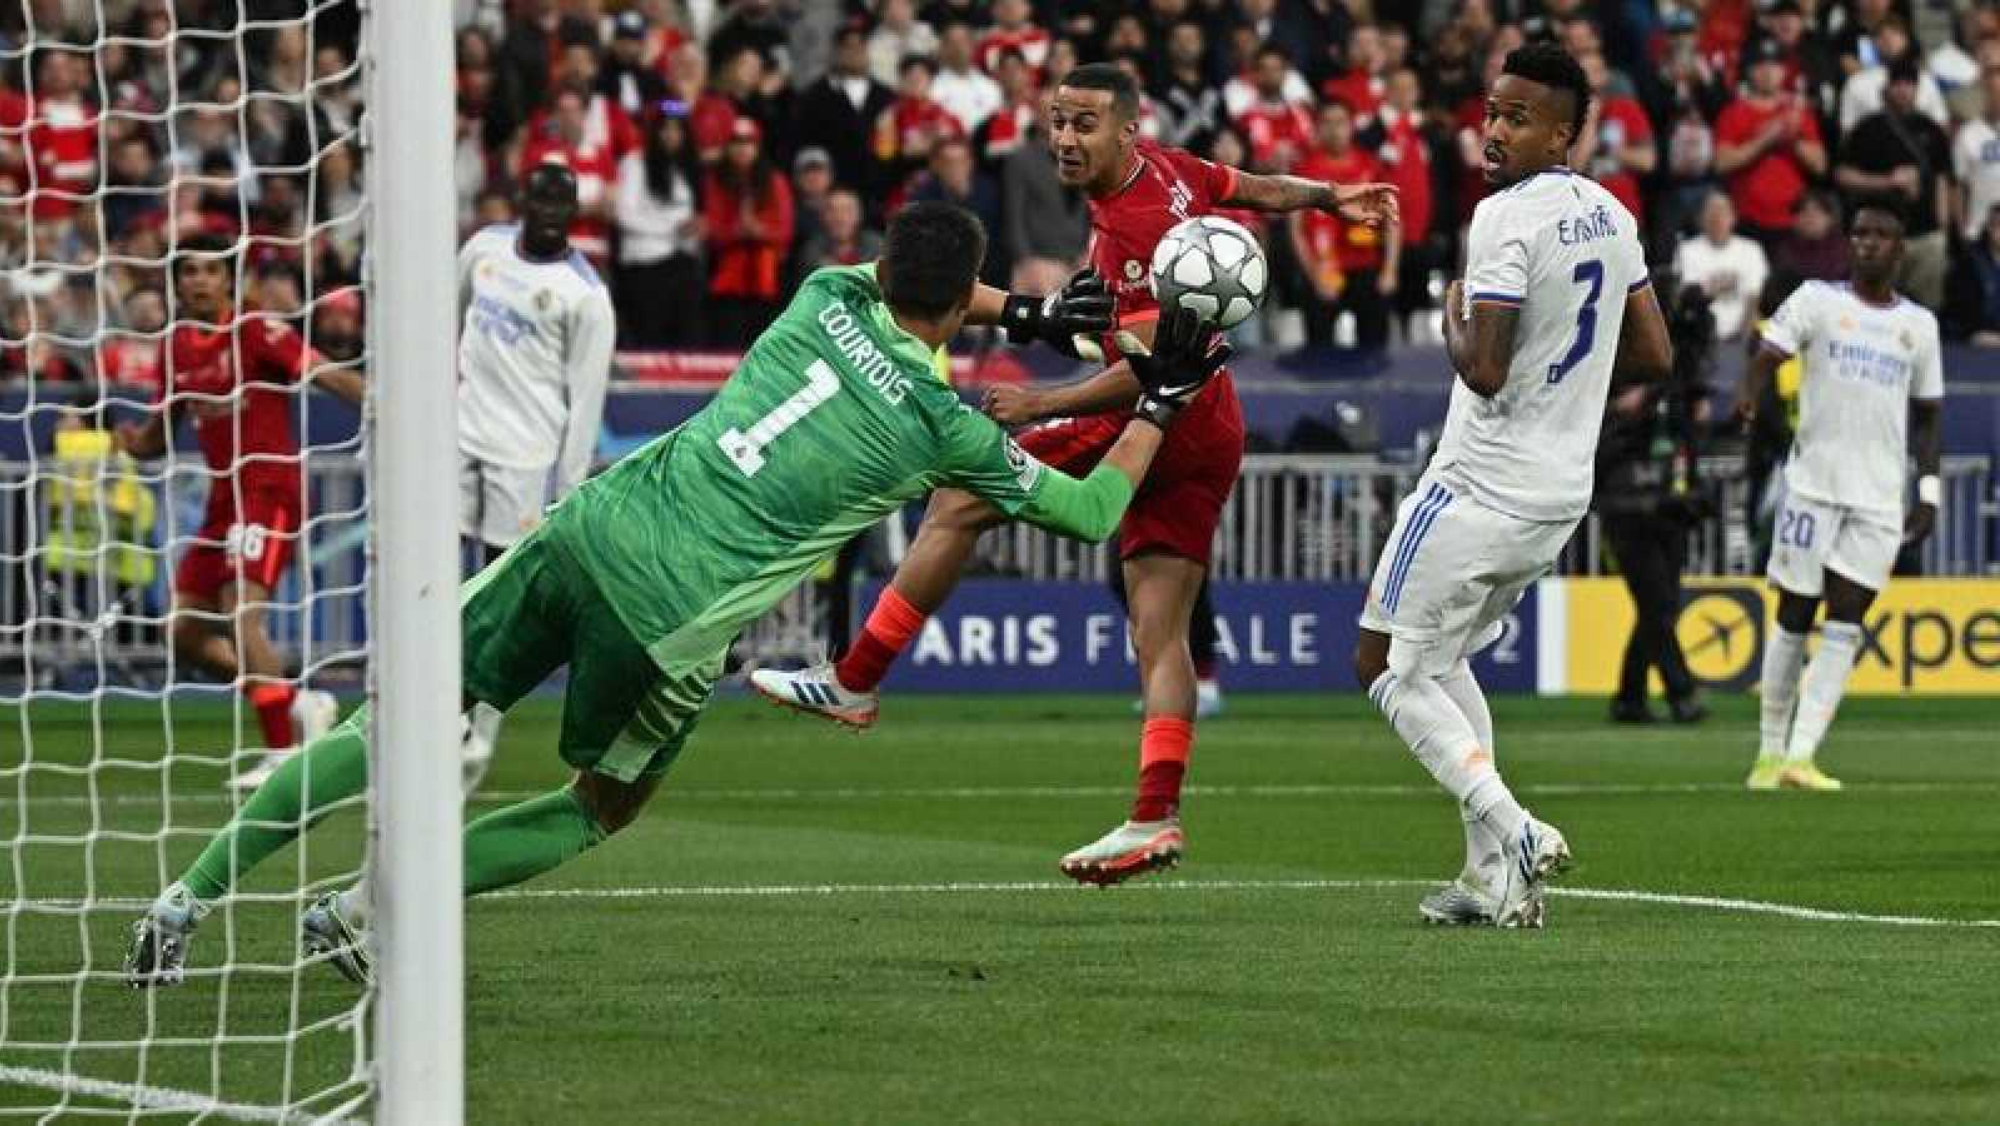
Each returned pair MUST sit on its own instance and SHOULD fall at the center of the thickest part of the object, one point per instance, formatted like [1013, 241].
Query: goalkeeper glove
[1067, 320]
[1184, 356]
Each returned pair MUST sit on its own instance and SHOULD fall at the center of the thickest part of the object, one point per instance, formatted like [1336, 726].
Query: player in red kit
[232, 377]
[1137, 192]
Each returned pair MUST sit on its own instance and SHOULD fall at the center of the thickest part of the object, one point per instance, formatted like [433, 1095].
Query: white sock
[1482, 847]
[1825, 683]
[1784, 656]
[1441, 738]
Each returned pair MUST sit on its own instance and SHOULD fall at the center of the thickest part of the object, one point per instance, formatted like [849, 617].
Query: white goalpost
[318, 136]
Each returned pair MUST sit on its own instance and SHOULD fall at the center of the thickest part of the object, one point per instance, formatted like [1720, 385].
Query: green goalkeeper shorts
[535, 610]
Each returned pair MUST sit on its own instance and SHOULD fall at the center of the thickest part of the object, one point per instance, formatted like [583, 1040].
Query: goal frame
[414, 849]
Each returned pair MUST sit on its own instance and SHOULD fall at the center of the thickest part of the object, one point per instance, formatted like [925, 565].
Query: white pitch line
[1019, 887]
[983, 793]
[142, 1096]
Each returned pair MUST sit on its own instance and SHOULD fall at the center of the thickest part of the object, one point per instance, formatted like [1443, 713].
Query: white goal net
[187, 578]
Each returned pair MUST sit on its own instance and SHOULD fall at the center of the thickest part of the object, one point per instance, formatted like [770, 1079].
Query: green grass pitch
[813, 927]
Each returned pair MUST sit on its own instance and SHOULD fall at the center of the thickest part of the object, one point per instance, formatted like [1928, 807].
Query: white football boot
[1132, 849]
[816, 691]
[1535, 855]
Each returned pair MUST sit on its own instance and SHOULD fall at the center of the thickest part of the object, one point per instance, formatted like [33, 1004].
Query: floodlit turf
[908, 956]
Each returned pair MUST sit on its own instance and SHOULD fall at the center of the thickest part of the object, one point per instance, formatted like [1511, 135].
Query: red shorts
[254, 543]
[1179, 504]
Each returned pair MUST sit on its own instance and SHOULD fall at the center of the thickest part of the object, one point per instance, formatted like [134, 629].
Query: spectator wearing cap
[954, 177]
[563, 137]
[839, 112]
[1014, 29]
[845, 239]
[1616, 147]
[1729, 268]
[747, 219]
[898, 34]
[1685, 101]
[1190, 100]
[1975, 151]
[1810, 67]
[1973, 311]
[1899, 150]
[627, 79]
[659, 282]
[812, 185]
[1863, 93]
[1349, 267]
[1767, 147]
[1280, 131]
[965, 91]
[1816, 247]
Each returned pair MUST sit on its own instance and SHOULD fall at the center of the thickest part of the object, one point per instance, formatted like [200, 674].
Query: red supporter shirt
[1278, 134]
[62, 143]
[1472, 185]
[1765, 189]
[1360, 90]
[1406, 163]
[135, 363]
[1329, 238]
[711, 121]
[1033, 43]
[907, 121]
[1167, 186]
[231, 382]
[1619, 123]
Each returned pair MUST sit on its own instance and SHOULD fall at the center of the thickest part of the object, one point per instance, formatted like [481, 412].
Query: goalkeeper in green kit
[640, 580]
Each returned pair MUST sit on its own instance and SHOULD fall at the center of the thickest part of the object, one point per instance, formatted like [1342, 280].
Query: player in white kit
[534, 359]
[1870, 397]
[1555, 299]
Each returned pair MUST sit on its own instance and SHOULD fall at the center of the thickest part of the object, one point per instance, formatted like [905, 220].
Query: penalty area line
[1623, 895]
[144, 1097]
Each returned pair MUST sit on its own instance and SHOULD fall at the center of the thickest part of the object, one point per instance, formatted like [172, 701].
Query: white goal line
[146, 1097]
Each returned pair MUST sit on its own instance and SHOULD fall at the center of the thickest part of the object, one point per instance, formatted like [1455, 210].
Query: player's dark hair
[930, 258]
[1884, 203]
[204, 245]
[1123, 88]
[1555, 68]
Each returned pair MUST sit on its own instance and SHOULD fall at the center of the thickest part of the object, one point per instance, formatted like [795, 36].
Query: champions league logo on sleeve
[1026, 469]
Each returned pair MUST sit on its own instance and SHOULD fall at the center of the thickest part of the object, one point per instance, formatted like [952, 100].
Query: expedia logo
[1722, 634]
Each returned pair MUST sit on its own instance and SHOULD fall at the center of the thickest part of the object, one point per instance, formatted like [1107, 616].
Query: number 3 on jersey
[746, 449]
[1591, 273]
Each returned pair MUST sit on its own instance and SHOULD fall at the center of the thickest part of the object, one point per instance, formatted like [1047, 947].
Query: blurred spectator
[494, 206]
[954, 178]
[1973, 311]
[1251, 86]
[812, 184]
[523, 61]
[606, 127]
[277, 289]
[27, 347]
[1688, 96]
[562, 139]
[627, 80]
[1767, 147]
[839, 112]
[1957, 64]
[1280, 131]
[1727, 267]
[1008, 127]
[761, 26]
[1862, 95]
[62, 134]
[659, 281]
[130, 354]
[959, 86]
[1853, 25]
[1811, 70]
[341, 200]
[1063, 58]
[914, 123]
[747, 220]
[1047, 225]
[1360, 82]
[137, 188]
[1189, 100]
[1406, 157]
[1616, 147]
[1898, 150]
[1976, 153]
[739, 90]
[898, 34]
[1350, 267]
[1013, 30]
[337, 329]
[1816, 247]
[845, 239]
[1133, 63]
[1470, 121]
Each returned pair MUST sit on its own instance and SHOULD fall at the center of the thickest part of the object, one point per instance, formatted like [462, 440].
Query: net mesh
[129, 131]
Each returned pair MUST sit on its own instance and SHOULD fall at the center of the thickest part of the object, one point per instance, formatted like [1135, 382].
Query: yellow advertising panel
[1924, 637]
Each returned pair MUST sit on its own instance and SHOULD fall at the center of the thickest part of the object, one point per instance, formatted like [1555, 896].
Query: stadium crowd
[726, 147]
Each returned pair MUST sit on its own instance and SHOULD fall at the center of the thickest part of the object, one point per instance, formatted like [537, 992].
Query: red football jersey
[231, 381]
[1166, 187]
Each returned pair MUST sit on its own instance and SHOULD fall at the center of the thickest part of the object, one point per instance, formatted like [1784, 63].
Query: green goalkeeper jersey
[834, 418]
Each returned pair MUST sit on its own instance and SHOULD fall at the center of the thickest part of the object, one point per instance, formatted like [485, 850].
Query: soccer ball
[1213, 266]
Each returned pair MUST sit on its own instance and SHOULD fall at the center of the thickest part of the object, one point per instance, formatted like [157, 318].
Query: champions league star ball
[1213, 266]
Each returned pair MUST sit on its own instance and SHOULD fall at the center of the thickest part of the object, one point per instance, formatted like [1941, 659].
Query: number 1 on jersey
[1589, 272]
[747, 449]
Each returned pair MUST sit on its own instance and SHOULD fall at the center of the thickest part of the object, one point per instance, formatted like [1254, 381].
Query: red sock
[1163, 755]
[274, 713]
[890, 627]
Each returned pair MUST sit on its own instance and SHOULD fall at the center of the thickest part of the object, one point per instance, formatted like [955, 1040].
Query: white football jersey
[1863, 365]
[1567, 253]
[534, 357]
